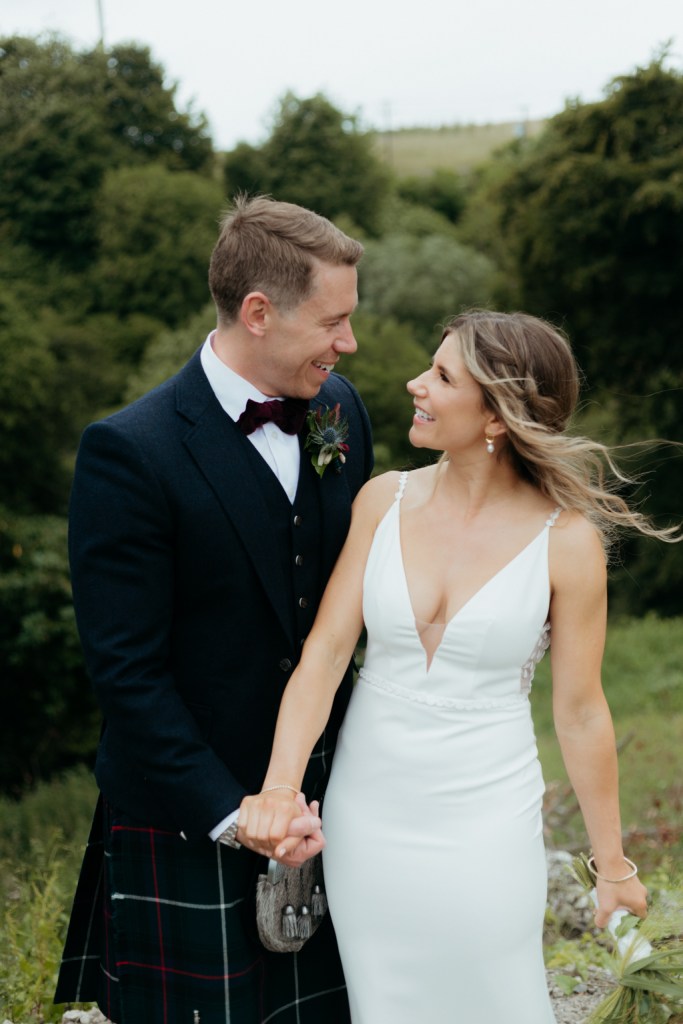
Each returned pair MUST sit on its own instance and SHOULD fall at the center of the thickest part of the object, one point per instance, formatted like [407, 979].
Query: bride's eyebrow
[437, 365]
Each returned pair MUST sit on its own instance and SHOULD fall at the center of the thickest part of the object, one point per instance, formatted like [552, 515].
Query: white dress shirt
[281, 451]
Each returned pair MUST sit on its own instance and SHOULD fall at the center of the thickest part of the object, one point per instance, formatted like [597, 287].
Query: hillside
[458, 147]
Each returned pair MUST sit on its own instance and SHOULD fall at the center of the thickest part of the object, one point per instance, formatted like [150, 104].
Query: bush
[50, 718]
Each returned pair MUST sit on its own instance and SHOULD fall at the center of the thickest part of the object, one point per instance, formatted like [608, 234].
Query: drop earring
[490, 446]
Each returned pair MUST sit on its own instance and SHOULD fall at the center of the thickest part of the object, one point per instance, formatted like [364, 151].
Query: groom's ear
[254, 312]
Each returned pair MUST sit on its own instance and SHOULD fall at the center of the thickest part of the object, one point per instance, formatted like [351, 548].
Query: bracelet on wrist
[271, 789]
[596, 874]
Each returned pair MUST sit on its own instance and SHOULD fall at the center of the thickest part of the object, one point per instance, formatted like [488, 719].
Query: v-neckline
[446, 625]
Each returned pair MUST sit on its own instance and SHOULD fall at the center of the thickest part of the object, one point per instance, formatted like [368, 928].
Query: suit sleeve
[121, 547]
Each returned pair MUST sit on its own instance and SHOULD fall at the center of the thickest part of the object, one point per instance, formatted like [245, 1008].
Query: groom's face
[304, 344]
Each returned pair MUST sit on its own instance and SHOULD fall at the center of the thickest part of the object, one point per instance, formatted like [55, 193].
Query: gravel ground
[574, 1009]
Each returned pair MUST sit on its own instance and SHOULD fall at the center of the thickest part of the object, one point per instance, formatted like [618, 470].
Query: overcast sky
[421, 62]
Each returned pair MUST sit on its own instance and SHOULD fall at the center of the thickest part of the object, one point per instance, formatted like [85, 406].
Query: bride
[463, 572]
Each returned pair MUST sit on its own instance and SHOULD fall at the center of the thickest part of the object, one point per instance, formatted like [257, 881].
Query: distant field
[457, 148]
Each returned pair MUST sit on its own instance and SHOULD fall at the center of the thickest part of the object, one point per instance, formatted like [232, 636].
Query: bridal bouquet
[649, 974]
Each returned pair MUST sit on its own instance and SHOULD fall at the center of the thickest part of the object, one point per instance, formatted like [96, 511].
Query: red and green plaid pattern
[163, 927]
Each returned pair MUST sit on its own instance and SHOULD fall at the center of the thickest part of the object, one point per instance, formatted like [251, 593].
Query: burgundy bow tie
[289, 415]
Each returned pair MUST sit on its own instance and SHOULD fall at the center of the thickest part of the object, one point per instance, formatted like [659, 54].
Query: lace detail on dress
[543, 642]
[458, 703]
[402, 480]
[529, 666]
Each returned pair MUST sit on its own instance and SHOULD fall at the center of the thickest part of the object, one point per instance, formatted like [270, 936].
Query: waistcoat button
[285, 664]
[303, 602]
[298, 520]
[299, 560]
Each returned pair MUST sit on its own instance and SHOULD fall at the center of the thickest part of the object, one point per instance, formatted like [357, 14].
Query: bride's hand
[294, 851]
[630, 895]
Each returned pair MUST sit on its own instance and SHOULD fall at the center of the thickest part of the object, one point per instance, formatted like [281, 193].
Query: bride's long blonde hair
[530, 380]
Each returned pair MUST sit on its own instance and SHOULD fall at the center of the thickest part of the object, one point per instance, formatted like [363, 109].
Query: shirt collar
[232, 391]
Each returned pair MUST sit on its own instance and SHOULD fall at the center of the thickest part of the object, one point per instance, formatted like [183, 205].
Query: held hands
[281, 826]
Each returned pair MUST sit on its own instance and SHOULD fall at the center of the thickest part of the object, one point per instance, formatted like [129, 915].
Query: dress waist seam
[514, 700]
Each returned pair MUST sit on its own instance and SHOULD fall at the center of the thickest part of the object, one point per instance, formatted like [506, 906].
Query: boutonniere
[327, 433]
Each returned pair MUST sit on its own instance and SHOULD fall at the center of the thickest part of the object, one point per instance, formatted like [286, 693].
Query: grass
[460, 147]
[42, 838]
[643, 680]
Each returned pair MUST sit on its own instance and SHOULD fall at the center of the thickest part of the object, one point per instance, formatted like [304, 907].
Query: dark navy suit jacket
[181, 601]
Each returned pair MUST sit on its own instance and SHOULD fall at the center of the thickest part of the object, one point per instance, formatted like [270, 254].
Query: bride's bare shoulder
[377, 495]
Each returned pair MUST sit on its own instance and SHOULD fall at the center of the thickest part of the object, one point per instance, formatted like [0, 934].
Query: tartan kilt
[162, 927]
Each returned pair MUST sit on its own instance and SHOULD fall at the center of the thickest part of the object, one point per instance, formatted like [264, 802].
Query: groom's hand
[274, 821]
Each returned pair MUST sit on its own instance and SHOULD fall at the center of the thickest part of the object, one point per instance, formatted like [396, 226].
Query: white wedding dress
[435, 866]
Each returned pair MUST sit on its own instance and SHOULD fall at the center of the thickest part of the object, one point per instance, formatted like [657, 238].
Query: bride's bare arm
[265, 818]
[582, 717]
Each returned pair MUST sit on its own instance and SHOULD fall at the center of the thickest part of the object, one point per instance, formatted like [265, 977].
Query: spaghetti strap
[402, 480]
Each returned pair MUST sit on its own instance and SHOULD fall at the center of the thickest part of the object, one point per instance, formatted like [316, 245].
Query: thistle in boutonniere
[326, 440]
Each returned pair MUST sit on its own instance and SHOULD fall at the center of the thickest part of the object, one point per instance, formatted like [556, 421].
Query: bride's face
[449, 408]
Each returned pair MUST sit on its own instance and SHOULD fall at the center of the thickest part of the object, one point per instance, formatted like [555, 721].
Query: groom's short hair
[272, 247]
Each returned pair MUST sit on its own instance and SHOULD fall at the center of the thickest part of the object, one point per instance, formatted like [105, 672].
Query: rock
[576, 1008]
[92, 1016]
[570, 903]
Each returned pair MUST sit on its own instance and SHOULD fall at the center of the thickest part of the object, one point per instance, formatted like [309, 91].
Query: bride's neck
[475, 490]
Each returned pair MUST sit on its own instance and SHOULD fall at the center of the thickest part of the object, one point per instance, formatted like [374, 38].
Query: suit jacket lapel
[220, 450]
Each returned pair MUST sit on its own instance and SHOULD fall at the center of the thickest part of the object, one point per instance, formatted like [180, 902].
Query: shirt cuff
[222, 825]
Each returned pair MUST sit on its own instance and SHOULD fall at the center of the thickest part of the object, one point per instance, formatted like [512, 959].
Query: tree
[49, 718]
[422, 281]
[65, 117]
[31, 414]
[593, 218]
[442, 191]
[316, 156]
[156, 230]
[388, 357]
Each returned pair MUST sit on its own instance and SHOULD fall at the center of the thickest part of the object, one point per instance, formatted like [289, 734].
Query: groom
[201, 538]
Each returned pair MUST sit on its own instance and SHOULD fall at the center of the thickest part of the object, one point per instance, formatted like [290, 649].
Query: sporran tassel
[318, 902]
[289, 922]
[304, 923]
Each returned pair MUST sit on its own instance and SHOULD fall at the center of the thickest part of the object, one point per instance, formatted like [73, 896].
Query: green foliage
[55, 146]
[60, 370]
[316, 156]
[643, 682]
[169, 351]
[586, 222]
[156, 229]
[388, 356]
[403, 217]
[593, 218]
[42, 838]
[31, 416]
[140, 111]
[33, 918]
[423, 281]
[49, 715]
[576, 957]
[65, 804]
[442, 191]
